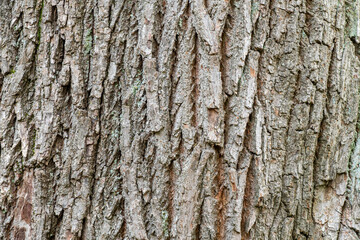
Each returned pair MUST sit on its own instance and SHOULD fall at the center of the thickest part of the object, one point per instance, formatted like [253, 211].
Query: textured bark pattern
[179, 119]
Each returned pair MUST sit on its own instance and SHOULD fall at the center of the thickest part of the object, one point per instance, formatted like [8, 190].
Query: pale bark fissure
[178, 119]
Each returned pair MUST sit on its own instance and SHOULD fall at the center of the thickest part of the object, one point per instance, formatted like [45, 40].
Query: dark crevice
[1, 84]
[247, 200]
[357, 47]
[83, 229]
[56, 222]
[206, 4]
[54, 15]
[195, 80]
[220, 194]
[158, 29]
[66, 92]
[18, 33]
[173, 84]
[89, 45]
[59, 57]
[38, 35]
[200, 220]
[170, 208]
[123, 226]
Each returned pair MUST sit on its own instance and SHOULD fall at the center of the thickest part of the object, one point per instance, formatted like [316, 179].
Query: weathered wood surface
[179, 119]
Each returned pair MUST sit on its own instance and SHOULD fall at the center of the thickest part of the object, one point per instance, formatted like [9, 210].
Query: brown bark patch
[252, 72]
[69, 235]
[26, 212]
[23, 209]
[213, 117]
[233, 185]
[19, 234]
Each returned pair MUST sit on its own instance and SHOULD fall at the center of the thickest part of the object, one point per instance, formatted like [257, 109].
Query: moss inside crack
[138, 81]
[165, 222]
[38, 35]
[88, 42]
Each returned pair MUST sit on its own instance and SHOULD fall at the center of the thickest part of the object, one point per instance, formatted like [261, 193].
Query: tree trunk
[179, 119]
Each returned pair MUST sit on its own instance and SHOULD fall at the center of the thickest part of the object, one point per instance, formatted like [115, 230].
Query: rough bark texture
[179, 119]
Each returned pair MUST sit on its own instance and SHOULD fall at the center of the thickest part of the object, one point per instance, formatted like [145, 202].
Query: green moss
[136, 86]
[138, 81]
[88, 42]
[165, 223]
[180, 23]
[115, 134]
[39, 23]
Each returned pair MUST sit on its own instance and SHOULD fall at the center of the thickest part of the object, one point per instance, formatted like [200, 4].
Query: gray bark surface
[179, 119]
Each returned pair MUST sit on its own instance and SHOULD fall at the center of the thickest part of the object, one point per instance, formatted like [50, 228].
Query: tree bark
[179, 119]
